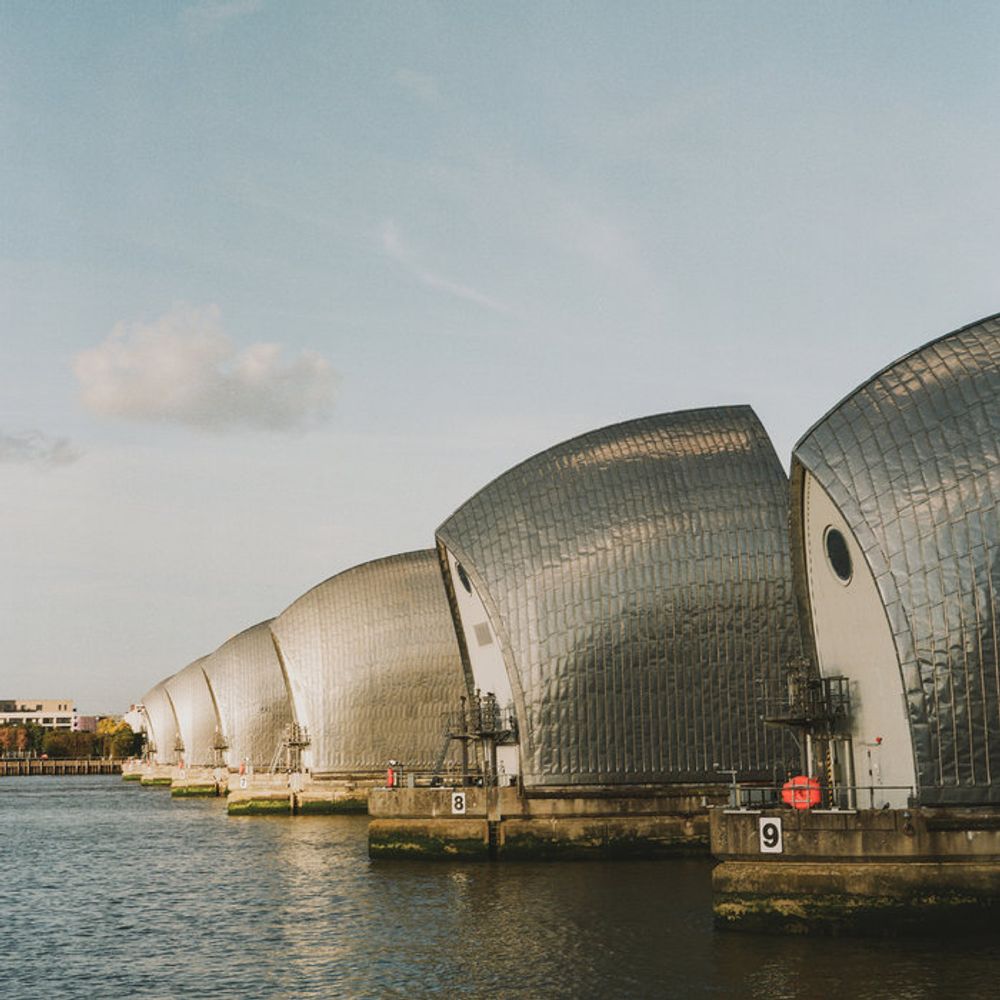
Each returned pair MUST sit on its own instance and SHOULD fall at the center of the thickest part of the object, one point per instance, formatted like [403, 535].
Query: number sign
[769, 830]
[458, 803]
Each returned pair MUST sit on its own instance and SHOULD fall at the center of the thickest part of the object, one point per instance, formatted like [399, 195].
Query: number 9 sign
[769, 831]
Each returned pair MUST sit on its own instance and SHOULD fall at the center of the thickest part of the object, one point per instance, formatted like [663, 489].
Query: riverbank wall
[35, 765]
[558, 823]
[837, 871]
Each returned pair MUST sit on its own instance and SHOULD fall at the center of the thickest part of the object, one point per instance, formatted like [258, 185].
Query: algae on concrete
[259, 807]
[429, 840]
[835, 914]
[331, 807]
[194, 791]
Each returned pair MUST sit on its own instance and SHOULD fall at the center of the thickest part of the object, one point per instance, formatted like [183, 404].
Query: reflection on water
[111, 890]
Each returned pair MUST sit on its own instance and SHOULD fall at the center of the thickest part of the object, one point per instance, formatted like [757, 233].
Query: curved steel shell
[911, 461]
[162, 722]
[196, 716]
[373, 665]
[638, 581]
[250, 696]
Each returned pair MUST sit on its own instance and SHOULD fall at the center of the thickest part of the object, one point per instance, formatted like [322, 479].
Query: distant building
[45, 713]
[86, 723]
[135, 719]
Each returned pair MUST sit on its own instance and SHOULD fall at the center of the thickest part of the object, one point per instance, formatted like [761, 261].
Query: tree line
[114, 738]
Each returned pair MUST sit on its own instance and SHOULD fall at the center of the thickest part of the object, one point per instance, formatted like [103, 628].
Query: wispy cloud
[203, 18]
[395, 247]
[36, 448]
[183, 368]
[421, 85]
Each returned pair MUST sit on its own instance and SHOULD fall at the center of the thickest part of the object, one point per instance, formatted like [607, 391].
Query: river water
[111, 890]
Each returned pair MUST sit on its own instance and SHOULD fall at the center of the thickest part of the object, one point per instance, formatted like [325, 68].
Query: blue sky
[282, 284]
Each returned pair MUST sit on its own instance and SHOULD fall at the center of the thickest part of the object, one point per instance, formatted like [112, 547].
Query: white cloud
[394, 246]
[420, 85]
[184, 369]
[203, 18]
[36, 448]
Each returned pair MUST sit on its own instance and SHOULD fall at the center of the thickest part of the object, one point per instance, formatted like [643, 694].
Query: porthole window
[463, 577]
[838, 555]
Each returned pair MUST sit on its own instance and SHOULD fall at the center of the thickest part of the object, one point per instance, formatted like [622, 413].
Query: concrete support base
[148, 775]
[423, 839]
[293, 795]
[259, 804]
[881, 871]
[198, 782]
[568, 824]
[875, 897]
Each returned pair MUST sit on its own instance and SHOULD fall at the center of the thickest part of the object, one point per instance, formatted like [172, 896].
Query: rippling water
[110, 890]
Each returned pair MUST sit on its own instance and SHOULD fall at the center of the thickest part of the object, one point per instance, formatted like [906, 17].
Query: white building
[50, 714]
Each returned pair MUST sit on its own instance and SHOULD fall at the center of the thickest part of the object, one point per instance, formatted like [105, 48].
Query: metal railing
[832, 798]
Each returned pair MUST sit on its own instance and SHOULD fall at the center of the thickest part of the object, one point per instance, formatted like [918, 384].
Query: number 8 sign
[769, 831]
[458, 803]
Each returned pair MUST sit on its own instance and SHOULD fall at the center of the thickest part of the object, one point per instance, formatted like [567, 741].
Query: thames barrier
[648, 641]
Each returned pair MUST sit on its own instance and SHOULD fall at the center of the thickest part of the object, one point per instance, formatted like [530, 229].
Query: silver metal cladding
[373, 666]
[195, 711]
[639, 584]
[251, 699]
[912, 461]
[162, 722]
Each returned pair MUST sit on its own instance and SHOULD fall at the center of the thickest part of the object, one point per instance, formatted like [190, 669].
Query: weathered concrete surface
[156, 775]
[881, 871]
[132, 769]
[446, 839]
[881, 897]
[260, 803]
[572, 823]
[581, 838]
[324, 802]
[260, 795]
[812, 835]
[197, 782]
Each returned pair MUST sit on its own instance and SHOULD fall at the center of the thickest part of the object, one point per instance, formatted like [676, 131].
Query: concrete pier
[864, 871]
[262, 794]
[197, 782]
[559, 823]
[153, 775]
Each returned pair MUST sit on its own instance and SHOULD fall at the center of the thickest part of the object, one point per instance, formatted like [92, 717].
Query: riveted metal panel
[162, 723]
[638, 580]
[196, 716]
[250, 696]
[912, 461]
[372, 665]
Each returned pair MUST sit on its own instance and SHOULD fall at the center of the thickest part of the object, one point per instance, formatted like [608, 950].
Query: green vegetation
[114, 738]
[21, 739]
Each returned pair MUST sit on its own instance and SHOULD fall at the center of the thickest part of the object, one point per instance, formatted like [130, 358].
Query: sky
[282, 284]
